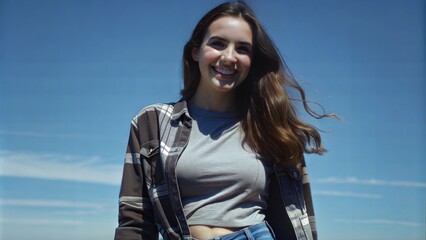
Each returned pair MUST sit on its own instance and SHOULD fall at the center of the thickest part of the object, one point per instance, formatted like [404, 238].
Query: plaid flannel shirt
[150, 201]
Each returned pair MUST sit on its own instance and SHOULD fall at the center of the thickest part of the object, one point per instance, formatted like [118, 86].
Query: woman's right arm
[136, 216]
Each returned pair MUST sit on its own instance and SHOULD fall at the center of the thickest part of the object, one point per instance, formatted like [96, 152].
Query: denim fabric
[261, 231]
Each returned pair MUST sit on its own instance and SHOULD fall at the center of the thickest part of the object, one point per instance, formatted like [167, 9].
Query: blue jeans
[261, 231]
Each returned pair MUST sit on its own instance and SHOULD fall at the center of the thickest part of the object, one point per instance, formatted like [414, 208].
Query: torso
[223, 184]
[201, 232]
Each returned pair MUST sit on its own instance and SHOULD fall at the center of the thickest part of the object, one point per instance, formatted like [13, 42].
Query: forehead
[230, 28]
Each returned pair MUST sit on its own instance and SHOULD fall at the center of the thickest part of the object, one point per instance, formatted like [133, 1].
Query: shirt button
[295, 174]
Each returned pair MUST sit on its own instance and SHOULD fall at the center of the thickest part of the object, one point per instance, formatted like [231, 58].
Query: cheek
[210, 56]
[246, 63]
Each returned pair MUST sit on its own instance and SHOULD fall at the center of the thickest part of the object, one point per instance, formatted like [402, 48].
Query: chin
[225, 84]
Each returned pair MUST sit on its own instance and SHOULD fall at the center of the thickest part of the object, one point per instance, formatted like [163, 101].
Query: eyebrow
[223, 39]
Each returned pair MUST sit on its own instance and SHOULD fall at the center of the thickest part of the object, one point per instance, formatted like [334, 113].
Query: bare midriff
[202, 232]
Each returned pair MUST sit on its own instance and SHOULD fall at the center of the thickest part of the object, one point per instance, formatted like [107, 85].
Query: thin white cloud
[25, 134]
[382, 222]
[347, 194]
[77, 213]
[40, 134]
[372, 182]
[59, 167]
[48, 203]
[60, 222]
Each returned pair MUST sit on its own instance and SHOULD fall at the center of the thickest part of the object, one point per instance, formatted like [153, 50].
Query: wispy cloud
[347, 194]
[59, 167]
[41, 134]
[48, 203]
[55, 222]
[382, 222]
[371, 181]
[78, 212]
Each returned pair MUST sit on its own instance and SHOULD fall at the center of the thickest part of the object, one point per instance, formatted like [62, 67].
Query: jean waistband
[261, 230]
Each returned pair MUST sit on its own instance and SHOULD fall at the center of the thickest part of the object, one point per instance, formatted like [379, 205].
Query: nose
[228, 55]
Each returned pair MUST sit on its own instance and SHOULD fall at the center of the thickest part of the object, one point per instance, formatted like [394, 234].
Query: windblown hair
[269, 118]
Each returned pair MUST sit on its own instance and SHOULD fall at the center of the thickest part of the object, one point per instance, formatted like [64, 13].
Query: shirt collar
[180, 109]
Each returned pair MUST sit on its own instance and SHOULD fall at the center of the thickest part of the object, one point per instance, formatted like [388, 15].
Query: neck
[219, 102]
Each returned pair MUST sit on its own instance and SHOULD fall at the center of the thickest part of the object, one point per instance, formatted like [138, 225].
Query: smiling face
[224, 57]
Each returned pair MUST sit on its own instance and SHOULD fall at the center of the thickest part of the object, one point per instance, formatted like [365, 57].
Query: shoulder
[172, 110]
[153, 109]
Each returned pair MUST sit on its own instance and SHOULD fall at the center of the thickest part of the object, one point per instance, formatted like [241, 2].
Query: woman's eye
[217, 44]
[244, 50]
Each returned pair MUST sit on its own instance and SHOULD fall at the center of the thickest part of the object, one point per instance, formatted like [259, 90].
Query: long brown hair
[269, 118]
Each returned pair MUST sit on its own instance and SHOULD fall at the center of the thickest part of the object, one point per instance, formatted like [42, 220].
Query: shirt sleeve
[308, 200]
[136, 216]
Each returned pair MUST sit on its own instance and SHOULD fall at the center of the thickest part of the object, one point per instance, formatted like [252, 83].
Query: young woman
[226, 161]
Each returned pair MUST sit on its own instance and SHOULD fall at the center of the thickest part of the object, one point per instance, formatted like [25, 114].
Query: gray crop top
[221, 183]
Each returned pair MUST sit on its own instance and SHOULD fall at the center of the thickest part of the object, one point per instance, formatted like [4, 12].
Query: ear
[194, 54]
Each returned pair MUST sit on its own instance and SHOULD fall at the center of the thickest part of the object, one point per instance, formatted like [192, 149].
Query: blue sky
[73, 74]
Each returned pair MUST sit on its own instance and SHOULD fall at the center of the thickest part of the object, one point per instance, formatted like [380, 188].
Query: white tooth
[224, 71]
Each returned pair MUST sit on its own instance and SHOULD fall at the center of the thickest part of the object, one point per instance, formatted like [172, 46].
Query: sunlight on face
[225, 54]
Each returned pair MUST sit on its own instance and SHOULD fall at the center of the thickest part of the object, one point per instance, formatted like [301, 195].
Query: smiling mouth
[227, 73]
